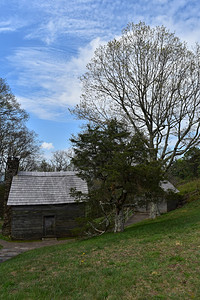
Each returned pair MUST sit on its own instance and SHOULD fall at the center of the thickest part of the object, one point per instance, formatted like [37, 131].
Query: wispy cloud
[47, 77]
[12, 24]
[48, 84]
[51, 21]
[6, 26]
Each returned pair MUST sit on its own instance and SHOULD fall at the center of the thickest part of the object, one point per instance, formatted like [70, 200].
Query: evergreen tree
[110, 160]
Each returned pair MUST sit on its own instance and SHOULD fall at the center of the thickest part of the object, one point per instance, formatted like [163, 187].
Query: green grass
[190, 190]
[157, 259]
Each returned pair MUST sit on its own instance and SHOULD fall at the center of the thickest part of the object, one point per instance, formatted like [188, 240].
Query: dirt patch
[11, 249]
[137, 217]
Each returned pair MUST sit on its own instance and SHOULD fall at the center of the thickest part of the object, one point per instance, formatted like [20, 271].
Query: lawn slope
[157, 259]
[190, 190]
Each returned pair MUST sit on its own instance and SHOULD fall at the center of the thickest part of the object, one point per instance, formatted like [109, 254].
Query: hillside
[151, 260]
[190, 190]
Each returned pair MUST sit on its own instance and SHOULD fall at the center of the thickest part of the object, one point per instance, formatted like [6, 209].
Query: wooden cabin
[41, 204]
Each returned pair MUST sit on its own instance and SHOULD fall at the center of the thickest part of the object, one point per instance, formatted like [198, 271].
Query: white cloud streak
[50, 21]
[47, 146]
[11, 25]
[91, 18]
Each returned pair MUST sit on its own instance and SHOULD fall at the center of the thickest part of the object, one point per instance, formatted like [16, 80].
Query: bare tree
[61, 160]
[16, 140]
[151, 80]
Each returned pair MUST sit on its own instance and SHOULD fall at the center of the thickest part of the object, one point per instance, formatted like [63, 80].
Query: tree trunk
[119, 220]
[154, 210]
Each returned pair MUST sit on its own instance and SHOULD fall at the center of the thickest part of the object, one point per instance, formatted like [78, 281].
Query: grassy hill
[157, 259]
[190, 190]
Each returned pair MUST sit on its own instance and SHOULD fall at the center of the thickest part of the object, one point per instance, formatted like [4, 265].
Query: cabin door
[49, 226]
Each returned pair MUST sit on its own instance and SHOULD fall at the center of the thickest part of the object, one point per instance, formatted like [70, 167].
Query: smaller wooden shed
[41, 204]
[165, 204]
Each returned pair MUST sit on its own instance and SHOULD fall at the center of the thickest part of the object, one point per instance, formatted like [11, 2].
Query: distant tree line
[59, 161]
[188, 166]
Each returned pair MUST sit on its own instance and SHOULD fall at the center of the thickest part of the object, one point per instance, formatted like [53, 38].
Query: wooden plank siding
[28, 221]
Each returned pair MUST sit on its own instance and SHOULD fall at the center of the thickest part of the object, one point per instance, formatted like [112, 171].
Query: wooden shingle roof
[35, 188]
[168, 187]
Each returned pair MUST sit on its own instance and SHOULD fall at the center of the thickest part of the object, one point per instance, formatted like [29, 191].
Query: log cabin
[42, 205]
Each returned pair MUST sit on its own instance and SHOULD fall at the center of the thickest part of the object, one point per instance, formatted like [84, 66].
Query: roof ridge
[46, 174]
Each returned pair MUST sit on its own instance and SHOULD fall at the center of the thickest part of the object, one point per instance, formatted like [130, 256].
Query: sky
[45, 46]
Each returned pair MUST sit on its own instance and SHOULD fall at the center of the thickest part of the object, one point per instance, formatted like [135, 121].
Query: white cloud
[49, 83]
[47, 146]
[50, 21]
[56, 19]
[11, 25]
[181, 17]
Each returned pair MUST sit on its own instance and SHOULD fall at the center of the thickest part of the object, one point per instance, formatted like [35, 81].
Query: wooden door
[49, 226]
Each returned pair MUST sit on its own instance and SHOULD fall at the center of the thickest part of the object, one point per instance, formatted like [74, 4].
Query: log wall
[28, 221]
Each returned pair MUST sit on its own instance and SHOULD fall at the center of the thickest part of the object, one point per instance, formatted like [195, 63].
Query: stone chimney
[12, 167]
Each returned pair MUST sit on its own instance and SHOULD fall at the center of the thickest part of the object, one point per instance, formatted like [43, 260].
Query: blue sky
[46, 44]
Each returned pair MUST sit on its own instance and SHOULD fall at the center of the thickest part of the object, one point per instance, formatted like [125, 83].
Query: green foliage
[192, 158]
[175, 198]
[44, 166]
[151, 175]
[188, 166]
[98, 150]
[115, 165]
[190, 191]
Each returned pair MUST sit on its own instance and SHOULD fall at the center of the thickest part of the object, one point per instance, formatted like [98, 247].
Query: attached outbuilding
[42, 205]
[167, 202]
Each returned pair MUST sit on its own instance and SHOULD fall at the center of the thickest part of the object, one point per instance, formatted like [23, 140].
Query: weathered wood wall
[28, 221]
